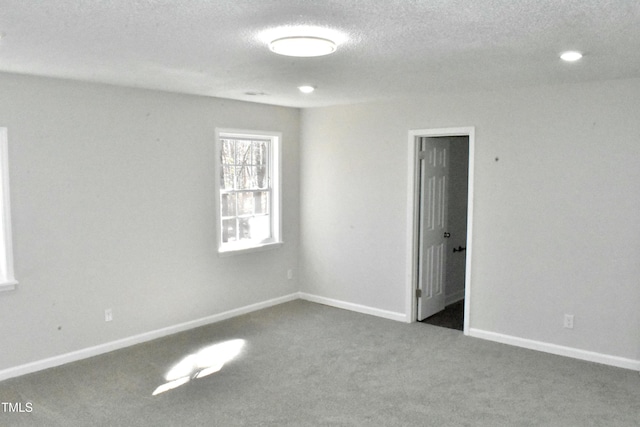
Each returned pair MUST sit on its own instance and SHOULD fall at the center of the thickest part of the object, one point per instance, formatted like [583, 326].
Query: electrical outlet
[108, 315]
[568, 321]
[289, 274]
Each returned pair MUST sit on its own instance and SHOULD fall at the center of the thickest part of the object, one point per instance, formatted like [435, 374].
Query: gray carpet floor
[305, 364]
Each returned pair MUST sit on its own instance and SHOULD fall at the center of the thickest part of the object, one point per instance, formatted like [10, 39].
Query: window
[7, 281]
[249, 190]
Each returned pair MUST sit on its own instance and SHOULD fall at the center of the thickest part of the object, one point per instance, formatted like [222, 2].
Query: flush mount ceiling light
[306, 89]
[302, 46]
[570, 56]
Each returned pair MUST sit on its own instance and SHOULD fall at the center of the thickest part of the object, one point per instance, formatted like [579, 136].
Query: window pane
[227, 154]
[243, 153]
[260, 202]
[260, 152]
[228, 230]
[245, 203]
[262, 180]
[226, 177]
[244, 228]
[228, 205]
[254, 177]
[246, 178]
[260, 227]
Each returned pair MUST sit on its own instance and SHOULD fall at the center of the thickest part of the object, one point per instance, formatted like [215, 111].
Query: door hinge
[418, 293]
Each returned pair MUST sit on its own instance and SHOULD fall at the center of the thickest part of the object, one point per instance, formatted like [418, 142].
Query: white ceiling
[391, 48]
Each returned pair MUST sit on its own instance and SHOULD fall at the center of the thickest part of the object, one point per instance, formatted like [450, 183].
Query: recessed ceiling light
[571, 56]
[302, 46]
[306, 89]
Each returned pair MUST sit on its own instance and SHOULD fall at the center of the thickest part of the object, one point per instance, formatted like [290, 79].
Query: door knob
[447, 235]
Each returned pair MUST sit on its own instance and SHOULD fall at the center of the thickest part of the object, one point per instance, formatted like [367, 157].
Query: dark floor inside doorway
[451, 317]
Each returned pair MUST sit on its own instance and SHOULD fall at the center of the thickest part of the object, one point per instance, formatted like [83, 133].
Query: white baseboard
[454, 297]
[137, 339]
[401, 317]
[392, 315]
[559, 350]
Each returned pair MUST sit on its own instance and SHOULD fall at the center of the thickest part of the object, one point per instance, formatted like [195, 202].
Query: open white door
[433, 158]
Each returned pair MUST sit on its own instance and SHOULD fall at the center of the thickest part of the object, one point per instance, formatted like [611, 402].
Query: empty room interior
[259, 212]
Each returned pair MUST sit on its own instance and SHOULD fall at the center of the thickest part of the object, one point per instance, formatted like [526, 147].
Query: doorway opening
[440, 222]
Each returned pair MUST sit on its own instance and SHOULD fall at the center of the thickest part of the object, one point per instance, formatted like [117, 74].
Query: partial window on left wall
[7, 279]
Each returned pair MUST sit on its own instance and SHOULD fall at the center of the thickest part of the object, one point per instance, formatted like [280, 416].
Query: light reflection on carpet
[206, 361]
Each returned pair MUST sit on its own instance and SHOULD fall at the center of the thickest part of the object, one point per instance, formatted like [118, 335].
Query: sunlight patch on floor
[206, 361]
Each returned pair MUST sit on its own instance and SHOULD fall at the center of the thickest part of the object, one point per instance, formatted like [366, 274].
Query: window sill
[9, 285]
[245, 250]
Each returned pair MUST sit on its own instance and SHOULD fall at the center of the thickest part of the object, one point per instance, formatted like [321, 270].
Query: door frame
[413, 218]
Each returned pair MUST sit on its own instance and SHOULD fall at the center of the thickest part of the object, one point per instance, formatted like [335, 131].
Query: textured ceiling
[389, 48]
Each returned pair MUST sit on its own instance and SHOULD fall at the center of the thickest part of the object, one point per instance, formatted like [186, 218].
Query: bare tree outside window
[245, 193]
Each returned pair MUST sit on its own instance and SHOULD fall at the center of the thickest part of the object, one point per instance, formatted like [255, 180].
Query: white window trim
[7, 279]
[276, 193]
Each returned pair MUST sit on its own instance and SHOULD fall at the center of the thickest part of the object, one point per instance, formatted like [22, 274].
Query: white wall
[555, 219]
[113, 207]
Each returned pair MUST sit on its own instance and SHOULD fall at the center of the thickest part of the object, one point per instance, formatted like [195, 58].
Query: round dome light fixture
[571, 56]
[306, 89]
[302, 46]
